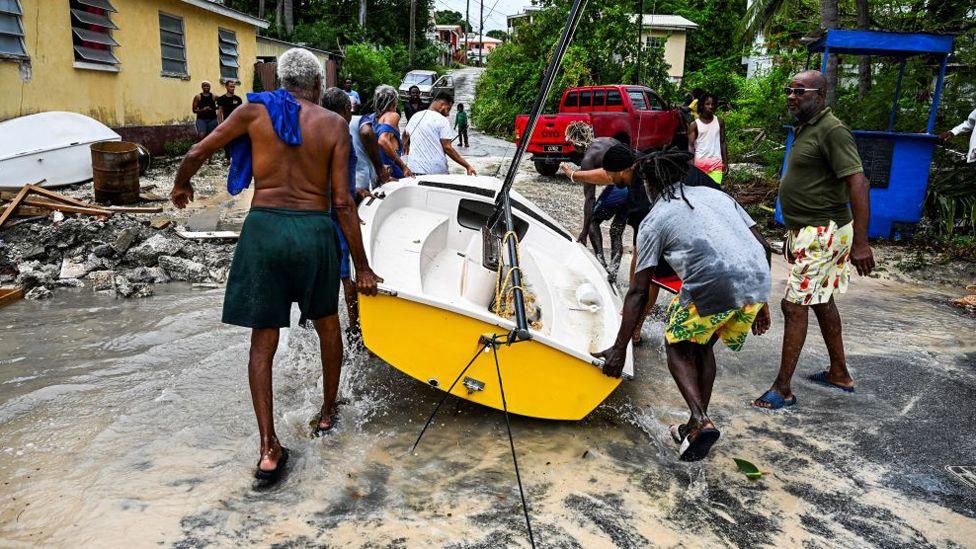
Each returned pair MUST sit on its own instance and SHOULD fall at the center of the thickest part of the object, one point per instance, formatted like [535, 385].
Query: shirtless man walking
[287, 249]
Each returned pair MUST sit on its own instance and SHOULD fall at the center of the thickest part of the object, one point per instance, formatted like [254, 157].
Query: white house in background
[476, 43]
[669, 31]
[758, 62]
[526, 17]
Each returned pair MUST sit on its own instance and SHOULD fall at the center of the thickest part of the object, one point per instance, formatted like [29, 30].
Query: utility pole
[640, 42]
[481, 36]
[467, 28]
[413, 17]
[362, 14]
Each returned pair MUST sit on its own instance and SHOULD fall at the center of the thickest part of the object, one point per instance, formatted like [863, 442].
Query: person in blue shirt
[337, 101]
[353, 95]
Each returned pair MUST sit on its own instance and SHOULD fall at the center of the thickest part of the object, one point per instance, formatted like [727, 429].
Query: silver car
[428, 83]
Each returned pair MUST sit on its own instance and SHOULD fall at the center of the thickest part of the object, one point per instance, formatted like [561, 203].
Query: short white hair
[298, 69]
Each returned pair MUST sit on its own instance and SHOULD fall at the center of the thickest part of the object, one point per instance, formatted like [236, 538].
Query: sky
[495, 10]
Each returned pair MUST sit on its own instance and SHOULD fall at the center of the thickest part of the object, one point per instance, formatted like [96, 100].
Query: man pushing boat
[288, 248]
[723, 261]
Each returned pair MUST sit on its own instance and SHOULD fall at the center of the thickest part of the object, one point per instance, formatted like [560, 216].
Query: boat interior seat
[422, 234]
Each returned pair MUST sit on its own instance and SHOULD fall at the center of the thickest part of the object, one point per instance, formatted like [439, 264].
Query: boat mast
[503, 205]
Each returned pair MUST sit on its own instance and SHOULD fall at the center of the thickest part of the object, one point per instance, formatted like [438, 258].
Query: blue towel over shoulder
[283, 110]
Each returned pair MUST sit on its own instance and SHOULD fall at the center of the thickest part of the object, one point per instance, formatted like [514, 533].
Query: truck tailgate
[549, 136]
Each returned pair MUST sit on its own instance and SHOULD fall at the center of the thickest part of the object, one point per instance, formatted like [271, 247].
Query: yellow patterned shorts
[820, 263]
[732, 326]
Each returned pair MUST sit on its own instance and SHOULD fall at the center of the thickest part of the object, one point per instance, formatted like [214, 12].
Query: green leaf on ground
[748, 469]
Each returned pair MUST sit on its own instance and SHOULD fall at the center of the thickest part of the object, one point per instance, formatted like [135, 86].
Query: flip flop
[697, 449]
[820, 378]
[275, 474]
[321, 431]
[678, 432]
[775, 401]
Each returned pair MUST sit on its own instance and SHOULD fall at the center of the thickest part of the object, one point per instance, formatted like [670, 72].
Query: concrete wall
[137, 95]
[674, 49]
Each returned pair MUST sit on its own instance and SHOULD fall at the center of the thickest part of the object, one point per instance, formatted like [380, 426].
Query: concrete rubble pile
[123, 255]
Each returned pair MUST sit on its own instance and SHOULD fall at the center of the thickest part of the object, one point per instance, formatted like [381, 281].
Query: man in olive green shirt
[824, 197]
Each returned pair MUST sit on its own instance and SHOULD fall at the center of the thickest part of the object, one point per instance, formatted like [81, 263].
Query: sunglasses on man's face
[798, 91]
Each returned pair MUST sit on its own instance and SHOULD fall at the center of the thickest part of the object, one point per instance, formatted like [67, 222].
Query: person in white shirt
[428, 138]
[966, 126]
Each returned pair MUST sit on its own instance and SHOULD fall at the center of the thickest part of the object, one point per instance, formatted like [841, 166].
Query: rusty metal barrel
[115, 170]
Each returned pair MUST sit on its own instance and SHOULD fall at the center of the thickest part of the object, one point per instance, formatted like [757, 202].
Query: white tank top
[709, 142]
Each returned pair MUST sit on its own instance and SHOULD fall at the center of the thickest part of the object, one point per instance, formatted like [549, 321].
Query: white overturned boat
[50, 146]
[424, 238]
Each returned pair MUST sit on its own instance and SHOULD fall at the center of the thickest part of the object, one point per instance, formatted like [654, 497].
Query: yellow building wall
[137, 95]
[674, 49]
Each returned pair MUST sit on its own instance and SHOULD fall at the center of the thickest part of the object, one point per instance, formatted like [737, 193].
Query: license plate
[553, 148]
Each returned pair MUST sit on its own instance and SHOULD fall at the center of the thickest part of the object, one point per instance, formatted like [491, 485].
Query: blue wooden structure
[896, 163]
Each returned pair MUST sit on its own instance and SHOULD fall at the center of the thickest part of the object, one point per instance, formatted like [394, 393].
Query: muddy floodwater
[129, 423]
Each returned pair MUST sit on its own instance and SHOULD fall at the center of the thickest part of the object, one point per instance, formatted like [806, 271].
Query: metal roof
[294, 45]
[667, 22]
[221, 9]
[894, 44]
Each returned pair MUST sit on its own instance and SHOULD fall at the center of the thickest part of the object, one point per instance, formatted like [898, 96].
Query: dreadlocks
[580, 134]
[664, 172]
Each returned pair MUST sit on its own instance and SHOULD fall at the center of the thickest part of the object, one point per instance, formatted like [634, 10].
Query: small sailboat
[469, 266]
[52, 147]
[425, 238]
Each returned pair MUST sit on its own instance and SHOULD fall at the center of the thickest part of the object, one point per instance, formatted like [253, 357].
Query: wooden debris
[9, 294]
[135, 209]
[160, 223]
[9, 211]
[60, 197]
[151, 197]
[69, 208]
[207, 235]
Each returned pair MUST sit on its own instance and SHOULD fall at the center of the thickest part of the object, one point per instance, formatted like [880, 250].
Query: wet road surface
[129, 422]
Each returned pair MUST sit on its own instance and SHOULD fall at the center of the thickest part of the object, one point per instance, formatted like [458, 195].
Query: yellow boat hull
[433, 345]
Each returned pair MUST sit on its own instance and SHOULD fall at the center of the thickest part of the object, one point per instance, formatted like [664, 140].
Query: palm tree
[759, 18]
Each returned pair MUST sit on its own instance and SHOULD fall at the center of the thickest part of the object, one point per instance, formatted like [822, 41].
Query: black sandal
[275, 474]
[696, 444]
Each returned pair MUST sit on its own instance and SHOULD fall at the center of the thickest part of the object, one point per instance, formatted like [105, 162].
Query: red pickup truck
[635, 115]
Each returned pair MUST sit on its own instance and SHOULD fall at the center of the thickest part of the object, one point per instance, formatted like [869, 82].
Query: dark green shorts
[283, 256]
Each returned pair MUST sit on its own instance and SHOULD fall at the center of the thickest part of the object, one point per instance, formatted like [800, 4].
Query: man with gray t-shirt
[723, 261]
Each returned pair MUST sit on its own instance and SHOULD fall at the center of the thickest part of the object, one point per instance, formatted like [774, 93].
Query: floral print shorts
[820, 266]
[684, 324]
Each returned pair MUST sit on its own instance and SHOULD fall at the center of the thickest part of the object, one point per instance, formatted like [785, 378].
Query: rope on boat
[504, 292]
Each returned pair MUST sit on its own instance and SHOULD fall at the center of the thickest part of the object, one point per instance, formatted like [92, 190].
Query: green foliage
[369, 66]
[178, 147]
[603, 52]
[450, 17]
[497, 34]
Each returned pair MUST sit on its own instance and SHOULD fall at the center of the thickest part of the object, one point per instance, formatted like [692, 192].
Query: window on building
[91, 32]
[11, 30]
[173, 45]
[656, 42]
[227, 42]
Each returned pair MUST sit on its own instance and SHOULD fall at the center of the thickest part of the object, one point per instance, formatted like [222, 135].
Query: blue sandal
[820, 378]
[775, 401]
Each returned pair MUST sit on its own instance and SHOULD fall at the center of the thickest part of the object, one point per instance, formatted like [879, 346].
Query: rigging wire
[447, 394]
[511, 444]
